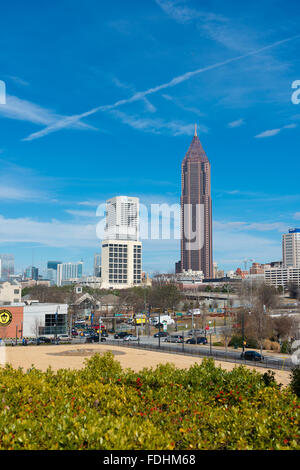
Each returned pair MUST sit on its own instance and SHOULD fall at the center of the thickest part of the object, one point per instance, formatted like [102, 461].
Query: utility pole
[100, 330]
[243, 330]
[159, 328]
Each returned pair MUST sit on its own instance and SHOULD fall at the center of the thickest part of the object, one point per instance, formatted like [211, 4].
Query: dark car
[43, 340]
[159, 325]
[95, 339]
[161, 334]
[198, 340]
[121, 335]
[251, 356]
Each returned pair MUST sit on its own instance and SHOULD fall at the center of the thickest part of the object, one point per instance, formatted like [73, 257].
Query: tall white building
[291, 248]
[121, 249]
[122, 218]
[67, 271]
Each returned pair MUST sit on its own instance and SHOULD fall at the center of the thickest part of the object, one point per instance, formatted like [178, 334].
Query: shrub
[295, 380]
[275, 346]
[286, 348]
[162, 408]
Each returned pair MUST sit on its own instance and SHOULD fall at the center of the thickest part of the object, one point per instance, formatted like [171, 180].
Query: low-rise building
[282, 276]
[33, 319]
[10, 292]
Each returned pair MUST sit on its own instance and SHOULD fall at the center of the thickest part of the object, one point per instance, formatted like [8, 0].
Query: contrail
[141, 95]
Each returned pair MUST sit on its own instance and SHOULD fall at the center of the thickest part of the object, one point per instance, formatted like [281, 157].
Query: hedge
[104, 407]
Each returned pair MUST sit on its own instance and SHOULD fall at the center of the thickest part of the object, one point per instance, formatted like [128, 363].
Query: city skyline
[87, 103]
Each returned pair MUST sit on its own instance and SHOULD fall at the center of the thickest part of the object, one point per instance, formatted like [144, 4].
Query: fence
[183, 349]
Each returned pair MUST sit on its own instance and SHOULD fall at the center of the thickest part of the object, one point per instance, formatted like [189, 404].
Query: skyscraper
[121, 248]
[291, 248]
[122, 218]
[196, 211]
[7, 263]
[52, 271]
[68, 271]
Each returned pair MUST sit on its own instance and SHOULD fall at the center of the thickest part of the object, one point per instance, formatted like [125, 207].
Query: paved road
[270, 361]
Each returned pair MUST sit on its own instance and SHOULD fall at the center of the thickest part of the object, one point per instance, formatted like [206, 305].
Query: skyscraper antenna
[195, 135]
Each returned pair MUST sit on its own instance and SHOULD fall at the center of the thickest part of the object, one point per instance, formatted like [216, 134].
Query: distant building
[257, 268]
[178, 267]
[97, 265]
[52, 271]
[31, 273]
[291, 248]
[33, 283]
[7, 266]
[282, 276]
[67, 271]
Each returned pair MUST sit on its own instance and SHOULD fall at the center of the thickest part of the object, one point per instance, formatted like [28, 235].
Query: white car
[130, 338]
[64, 338]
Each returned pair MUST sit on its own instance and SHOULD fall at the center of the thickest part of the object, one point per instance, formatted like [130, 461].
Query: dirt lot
[73, 356]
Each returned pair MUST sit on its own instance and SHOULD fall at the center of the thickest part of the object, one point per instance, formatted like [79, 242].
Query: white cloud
[157, 126]
[81, 213]
[23, 110]
[237, 123]
[70, 120]
[269, 133]
[184, 14]
[54, 233]
[272, 132]
[251, 226]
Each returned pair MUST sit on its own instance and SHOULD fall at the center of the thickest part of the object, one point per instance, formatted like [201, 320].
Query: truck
[163, 319]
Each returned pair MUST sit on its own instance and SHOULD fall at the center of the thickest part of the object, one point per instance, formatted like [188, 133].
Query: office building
[291, 248]
[97, 265]
[282, 276]
[7, 266]
[67, 271]
[52, 271]
[31, 273]
[122, 218]
[121, 265]
[196, 211]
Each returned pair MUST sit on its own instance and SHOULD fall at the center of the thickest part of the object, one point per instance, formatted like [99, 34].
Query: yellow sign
[5, 317]
[140, 320]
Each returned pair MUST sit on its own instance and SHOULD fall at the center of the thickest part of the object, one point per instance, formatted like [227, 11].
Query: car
[161, 334]
[95, 339]
[195, 332]
[159, 325]
[121, 335]
[104, 334]
[251, 356]
[174, 339]
[197, 340]
[130, 338]
[43, 340]
[64, 338]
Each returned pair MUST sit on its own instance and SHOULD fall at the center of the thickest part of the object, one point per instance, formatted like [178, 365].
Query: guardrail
[183, 349]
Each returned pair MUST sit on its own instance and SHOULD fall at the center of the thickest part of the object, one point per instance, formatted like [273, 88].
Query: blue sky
[102, 98]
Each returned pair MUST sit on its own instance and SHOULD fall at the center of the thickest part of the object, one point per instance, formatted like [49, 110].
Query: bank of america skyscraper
[196, 211]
